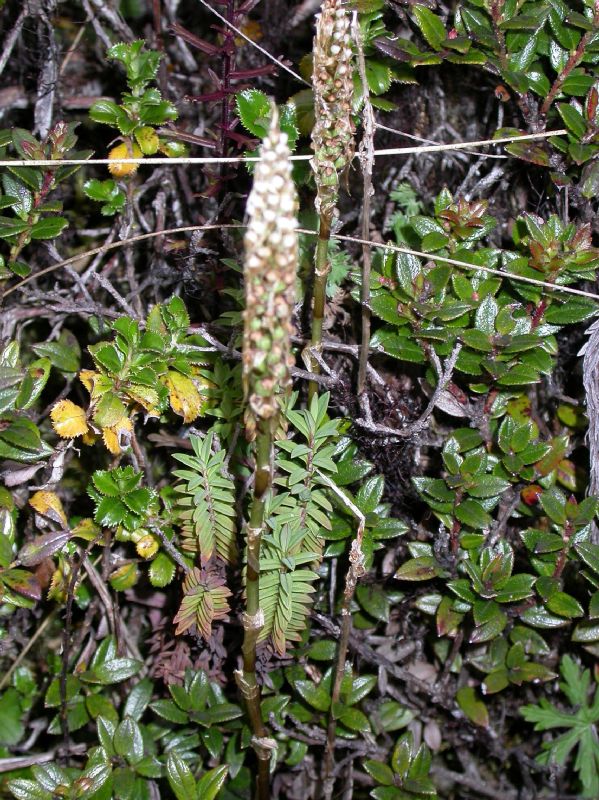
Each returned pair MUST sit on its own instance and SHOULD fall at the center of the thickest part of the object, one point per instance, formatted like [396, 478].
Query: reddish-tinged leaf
[530, 494]
[204, 601]
[527, 151]
[247, 74]
[43, 547]
[208, 98]
[195, 41]
[566, 474]
[23, 583]
[448, 620]
[551, 461]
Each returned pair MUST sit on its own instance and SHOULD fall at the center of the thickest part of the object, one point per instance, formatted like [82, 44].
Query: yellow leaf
[124, 577]
[58, 588]
[124, 150]
[68, 419]
[48, 504]
[118, 436]
[86, 529]
[184, 398]
[173, 149]
[145, 396]
[86, 376]
[111, 441]
[147, 546]
[95, 383]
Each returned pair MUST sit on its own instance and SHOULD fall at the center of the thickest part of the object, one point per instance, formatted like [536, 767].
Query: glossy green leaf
[128, 741]
[380, 772]
[211, 782]
[180, 777]
[162, 570]
[64, 353]
[48, 227]
[471, 513]
[392, 716]
[361, 686]
[430, 25]
[586, 632]
[138, 699]
[374, 601]
[539, 617]
[564, 605]
[113, 671]
[314, 694]
[355, 720]
[472, 706]
[573, 119]
[12, 728]
[422, 568]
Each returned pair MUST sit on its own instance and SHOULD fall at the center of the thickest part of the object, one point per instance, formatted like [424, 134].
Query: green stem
[253, 619]
[321, 273]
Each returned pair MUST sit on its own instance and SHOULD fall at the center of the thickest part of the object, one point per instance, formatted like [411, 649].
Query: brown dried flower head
[333, 134]
[270, 271]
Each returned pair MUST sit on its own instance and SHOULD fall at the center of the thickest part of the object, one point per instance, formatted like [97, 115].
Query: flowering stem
[269, 272]
[253, 618]
[332, 142]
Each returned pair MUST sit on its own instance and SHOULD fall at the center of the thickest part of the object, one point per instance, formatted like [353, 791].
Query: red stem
[575, 58]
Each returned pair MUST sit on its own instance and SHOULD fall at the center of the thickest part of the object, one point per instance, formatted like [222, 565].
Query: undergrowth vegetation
[298, 436]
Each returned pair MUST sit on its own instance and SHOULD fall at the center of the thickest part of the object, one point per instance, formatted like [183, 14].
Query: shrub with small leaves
[141, 111]
[35, 215]
[141, 371]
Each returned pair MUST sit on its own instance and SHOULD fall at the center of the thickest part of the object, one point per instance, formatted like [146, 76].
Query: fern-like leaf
[285, 599]
[205, 507]
[204, 601]
[285, 591]
[301, 461]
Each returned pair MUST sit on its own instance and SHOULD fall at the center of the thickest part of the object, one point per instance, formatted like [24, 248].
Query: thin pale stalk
[321, 274]
[366, 156]
[354, 573]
